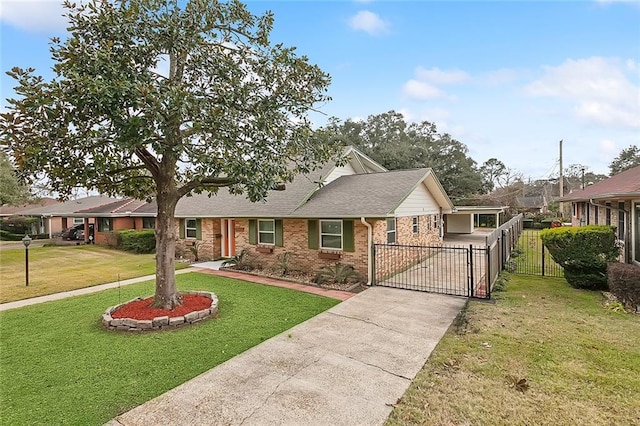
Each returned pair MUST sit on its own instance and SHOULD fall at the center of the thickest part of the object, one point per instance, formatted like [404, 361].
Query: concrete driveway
[346, 366]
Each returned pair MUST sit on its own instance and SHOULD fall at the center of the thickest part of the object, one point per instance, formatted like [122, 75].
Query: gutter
[369, 248]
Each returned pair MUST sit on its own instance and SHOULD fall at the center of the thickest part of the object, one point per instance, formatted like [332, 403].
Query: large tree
[228, 110]
[395, 144]
[628, 158]
[12, 190]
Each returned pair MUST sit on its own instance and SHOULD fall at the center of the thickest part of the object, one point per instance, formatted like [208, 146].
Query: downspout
[369, 249]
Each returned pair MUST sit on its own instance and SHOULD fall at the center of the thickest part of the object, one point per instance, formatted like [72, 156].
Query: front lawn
[61, 268]
[58, 366]
[579, 360]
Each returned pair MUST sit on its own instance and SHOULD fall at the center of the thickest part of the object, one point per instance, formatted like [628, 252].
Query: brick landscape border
[159, 323]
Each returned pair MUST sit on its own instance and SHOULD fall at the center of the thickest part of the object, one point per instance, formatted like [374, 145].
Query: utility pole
[561, 182]
[582, 170]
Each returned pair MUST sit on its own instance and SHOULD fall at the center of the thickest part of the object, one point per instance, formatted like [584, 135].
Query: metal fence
[451, 270]
[469, 271]
[534, 258]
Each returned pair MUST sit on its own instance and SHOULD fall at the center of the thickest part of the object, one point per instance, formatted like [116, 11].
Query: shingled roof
[620, 186]
[369, 195]
[68, 208]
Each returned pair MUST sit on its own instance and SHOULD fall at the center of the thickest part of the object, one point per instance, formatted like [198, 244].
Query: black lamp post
[26, 241]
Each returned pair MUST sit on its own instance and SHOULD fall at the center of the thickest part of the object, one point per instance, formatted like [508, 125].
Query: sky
[509, 79]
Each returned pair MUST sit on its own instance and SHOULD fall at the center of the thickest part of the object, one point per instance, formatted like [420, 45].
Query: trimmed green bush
[583, 253]
[624, 283]
[136, 241]
[9, 236]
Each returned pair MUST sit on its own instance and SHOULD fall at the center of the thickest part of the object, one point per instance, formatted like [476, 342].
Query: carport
[465, 219]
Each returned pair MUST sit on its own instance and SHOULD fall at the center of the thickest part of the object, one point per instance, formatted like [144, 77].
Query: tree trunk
[167, 296]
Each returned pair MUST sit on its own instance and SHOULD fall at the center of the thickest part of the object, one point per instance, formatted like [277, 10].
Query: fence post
[542, 245]
[488, 275]
[470, 266]
[373, 265]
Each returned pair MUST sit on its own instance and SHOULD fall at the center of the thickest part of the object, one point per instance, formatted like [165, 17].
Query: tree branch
[149, 161]
[213, 182]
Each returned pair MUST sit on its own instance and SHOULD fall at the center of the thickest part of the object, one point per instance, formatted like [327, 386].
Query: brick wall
[295, 241]
[209, 247]
[393, 259]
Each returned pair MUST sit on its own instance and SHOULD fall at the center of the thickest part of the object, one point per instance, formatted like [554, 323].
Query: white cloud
[36, 16]
[421, 90]
[604, 91]
[437, 76]
[425, 84]
[368, 22]
[500, 76]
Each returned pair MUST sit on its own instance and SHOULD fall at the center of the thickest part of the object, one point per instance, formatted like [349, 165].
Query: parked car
[76, 232]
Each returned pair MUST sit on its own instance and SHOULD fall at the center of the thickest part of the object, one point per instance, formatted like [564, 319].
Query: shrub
[624, 283]
[338, 273]
[137, 241]
[18, 225]
[583, 253]
[9, 236]
[243, 261]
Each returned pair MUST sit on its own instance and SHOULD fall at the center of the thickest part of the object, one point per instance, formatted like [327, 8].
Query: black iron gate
[533, 258]
[454, 270]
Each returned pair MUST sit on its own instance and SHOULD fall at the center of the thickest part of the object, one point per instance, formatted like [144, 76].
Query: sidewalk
[333, 294]
[79, 292]
[346, 366]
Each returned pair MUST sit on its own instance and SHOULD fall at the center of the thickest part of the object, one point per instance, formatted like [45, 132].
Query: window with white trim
[331, 234]
[266, 231]
[78, 220]
[415, 225]
[191, 228]
[391, 231]
[148, 223]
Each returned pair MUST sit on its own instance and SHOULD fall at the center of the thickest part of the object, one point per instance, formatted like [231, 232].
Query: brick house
[54, 217]
[614, 201]
[334, 214]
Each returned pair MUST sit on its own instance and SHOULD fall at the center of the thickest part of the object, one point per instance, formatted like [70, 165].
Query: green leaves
[396, 144]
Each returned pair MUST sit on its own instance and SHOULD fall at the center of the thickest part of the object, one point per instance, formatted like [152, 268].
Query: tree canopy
[628, 158]
[393, 143]
[163, 98]
[12, 190]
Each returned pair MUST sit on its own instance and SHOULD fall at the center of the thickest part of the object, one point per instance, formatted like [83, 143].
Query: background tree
[573, 176]
[628, 158]
[492, 170]
[230, 110]
[12, 190]
[393, 143]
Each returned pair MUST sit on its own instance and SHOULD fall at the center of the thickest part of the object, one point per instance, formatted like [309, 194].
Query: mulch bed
[142, 309]
[301, 277]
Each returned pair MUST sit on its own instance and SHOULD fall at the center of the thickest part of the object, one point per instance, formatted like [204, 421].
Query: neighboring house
[335, 214]
[7, 210]
[614, 201]
[54, 218]
[532, 204]
[114, 216]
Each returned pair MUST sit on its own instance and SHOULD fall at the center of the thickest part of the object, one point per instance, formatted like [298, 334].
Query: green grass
[530, 260]
[580, 359]
[56, 269]
[58, 366]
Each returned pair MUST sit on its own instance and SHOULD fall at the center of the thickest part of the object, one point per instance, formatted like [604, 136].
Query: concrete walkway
[205, 267]
[80, 291]
[346, 366]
